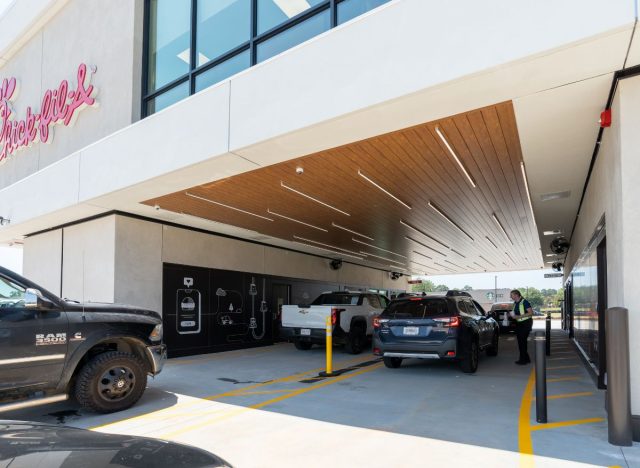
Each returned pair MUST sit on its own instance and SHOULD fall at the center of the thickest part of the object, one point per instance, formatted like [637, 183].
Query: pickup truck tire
[356, 339]
[469, 360]
[111, 381]
[303, 345]
[392, 362]
[492, 349]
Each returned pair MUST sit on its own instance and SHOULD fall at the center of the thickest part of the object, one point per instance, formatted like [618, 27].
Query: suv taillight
[450, 322]
[335, 315]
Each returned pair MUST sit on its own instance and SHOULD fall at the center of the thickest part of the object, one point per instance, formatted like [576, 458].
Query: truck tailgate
[305, 317]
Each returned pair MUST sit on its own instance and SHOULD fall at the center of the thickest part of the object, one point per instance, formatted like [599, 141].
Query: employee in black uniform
[522, 313]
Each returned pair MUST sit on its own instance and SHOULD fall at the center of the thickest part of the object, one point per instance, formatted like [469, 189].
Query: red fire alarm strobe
[605, 118]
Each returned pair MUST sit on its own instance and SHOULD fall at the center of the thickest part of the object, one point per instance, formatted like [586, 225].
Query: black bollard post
[618, 384]
[548, 333]
[541, 378]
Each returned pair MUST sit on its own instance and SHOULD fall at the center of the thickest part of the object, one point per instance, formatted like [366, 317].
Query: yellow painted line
[562, 367]
[155, 414]
[263, 392]
[237, 411]
[567, 395]
[575, 422]
[525, 444]
[563, 379]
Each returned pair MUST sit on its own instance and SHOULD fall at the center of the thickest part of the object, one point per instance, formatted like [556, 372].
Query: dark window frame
[251, 46]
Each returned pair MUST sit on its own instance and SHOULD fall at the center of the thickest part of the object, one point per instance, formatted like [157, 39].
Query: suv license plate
[305, 331]
[411, 331]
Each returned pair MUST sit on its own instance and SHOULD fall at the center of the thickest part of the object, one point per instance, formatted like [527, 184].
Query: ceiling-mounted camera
[336, 264]
[557, 266]
[394, 275]
[559, 245]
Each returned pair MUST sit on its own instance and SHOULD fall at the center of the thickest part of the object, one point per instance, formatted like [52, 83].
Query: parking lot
[267, 407]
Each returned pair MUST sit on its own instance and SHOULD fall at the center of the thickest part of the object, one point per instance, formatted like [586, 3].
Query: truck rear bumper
[316, 336]
[157, 356]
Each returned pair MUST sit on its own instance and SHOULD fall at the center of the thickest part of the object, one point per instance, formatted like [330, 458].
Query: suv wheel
[356, 340]
[392, 362]
[111, 381]
[303, 345]
[492, 350]
[469, 362]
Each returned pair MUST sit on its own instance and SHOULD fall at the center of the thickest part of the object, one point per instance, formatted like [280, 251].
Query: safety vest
[522, 312]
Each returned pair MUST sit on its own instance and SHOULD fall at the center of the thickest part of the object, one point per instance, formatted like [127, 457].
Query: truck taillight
[335, 315]
[376, 322]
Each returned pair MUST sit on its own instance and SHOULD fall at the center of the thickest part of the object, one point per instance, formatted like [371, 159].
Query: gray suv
[450, 327]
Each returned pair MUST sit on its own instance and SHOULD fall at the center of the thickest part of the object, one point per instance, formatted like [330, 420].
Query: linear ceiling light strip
[379, 248]
[413, 228]
[510, 258]
[481, 266]
[424, 245]
[296, 220]
[328, 250]
[487, 261]
[422, 265]
[283, 185]
[492, 243]
[441, 213]
[444, 267]
[455, 156]
[454, 264]
[352, 232]
[381, 258]
[497, 221]
[423, 255]
[526, 186]
[226, 206]
[383, 189]
[325, 245]
[458, 253]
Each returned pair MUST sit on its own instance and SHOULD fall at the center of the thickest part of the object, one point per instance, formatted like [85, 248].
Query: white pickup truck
[351, 314]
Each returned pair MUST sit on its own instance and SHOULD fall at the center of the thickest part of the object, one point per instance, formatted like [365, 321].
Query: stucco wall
[42, 260]
[82, 31]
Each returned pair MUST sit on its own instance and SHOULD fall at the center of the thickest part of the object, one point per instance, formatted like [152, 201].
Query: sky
[509, 279]
[11, 258]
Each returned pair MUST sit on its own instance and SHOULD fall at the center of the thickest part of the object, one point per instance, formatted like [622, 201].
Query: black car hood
[73, 306]
[26, 444]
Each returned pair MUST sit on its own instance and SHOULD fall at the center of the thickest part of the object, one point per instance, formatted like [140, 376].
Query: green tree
[467, 288]
[533, 295]
[441, 288]
[426, 286]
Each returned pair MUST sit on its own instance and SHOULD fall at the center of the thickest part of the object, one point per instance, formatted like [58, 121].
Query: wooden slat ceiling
[413, 165]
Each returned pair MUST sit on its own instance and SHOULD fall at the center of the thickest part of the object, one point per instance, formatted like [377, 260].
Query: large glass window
[271, 13]
[294, 36]
[222, 26]
[193, 44]
[169, 39]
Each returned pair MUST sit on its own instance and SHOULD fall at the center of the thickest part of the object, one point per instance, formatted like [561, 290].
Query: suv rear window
[337, 299]
[424, 308]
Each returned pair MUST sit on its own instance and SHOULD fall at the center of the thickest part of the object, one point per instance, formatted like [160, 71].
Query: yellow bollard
[329, 346]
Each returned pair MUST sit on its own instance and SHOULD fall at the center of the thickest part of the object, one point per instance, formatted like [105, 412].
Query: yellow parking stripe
[567, 395]
[563, 379]
[237, 411]
[263, 392]
[575, 422]
[525, 444]
[155, 414]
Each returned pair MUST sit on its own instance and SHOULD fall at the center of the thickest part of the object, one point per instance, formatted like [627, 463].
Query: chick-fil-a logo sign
[60, 105]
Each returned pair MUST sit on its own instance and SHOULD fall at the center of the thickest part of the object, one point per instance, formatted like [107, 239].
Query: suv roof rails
[455, 292]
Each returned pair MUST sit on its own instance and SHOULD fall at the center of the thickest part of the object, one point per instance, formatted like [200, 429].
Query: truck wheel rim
[116, 383]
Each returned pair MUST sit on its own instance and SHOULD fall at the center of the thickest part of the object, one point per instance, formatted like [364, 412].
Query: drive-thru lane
[266, 406]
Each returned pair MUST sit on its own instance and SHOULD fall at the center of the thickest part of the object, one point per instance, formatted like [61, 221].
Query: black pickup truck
[52, 349]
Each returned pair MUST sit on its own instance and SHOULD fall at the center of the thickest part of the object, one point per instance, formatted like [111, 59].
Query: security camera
[156, 207]
[299, 170]
[557, 266]
[335, 264]
[394, 275]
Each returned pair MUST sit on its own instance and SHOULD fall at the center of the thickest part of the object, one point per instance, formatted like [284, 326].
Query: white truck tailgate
[305, 317]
